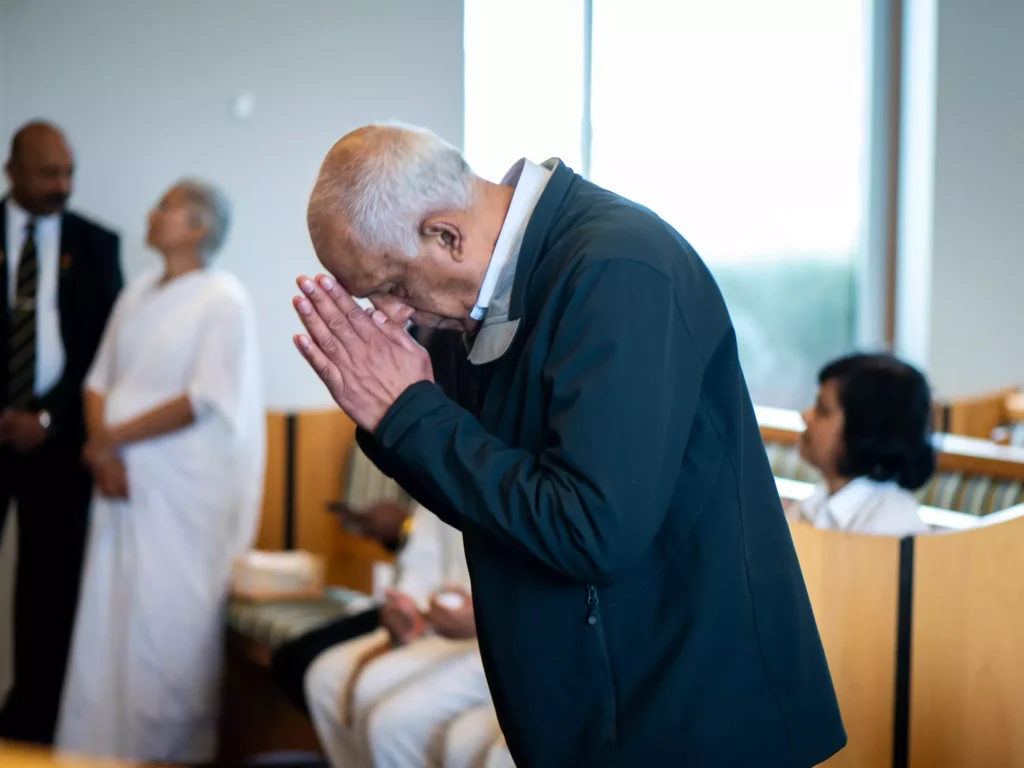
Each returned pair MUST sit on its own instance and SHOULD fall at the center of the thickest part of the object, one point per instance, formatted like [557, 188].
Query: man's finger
[393, 331]
[399, 313]
[319, 362]
[328, 340]
[325, 322]
[347, 307]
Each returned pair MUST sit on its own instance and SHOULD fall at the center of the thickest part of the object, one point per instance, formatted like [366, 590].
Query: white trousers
[474, 740]
[403, 702]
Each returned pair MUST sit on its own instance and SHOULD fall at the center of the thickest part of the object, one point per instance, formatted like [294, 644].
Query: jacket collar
[541, 221]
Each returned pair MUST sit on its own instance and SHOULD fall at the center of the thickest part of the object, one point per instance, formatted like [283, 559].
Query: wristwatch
[45, 420]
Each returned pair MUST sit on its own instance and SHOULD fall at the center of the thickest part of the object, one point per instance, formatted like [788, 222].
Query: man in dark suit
[637, 594]
[59, 276]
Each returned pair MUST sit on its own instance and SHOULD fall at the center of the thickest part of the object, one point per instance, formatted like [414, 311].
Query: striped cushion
[367, 485]
[971, 494]
[275, 623]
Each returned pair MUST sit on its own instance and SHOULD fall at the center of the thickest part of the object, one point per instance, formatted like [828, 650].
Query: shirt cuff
[412, 405]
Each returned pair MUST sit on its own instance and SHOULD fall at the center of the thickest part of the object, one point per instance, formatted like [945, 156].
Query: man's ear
[446, 235]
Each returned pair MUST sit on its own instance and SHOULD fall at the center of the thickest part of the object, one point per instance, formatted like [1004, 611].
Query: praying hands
[366, 359]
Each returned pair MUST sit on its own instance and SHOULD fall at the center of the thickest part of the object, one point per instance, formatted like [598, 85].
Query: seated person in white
[387, 699]
[175, 419]
[869, 435]
[479, 727]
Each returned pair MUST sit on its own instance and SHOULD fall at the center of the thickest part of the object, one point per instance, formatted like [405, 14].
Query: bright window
[743, 123]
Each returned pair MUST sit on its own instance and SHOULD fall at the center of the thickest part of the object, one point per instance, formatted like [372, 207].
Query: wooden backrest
[977, 416]
[967, 652]
[853, 583]
[308, 455]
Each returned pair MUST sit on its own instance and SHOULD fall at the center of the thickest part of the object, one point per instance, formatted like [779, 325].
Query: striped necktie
[21, 341]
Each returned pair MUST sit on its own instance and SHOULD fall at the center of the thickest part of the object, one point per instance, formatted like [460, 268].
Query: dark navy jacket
[637, 595]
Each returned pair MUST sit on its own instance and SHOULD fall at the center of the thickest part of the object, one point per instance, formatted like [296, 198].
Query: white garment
[474, 740]
[865, 506]
[529, 180]
[440, 677]
[432, 559]
[50, 356]
[499, 756]
[144, 675]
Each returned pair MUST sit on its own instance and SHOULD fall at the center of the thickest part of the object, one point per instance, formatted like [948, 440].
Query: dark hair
[887, 408]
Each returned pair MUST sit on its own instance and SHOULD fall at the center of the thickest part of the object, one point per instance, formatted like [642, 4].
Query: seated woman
[176, 443]
[869, 435]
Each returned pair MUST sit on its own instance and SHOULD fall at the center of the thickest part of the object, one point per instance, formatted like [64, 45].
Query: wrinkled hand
[453, 623]
[112, 479]
[21, 430]
[401, 617]
[108, 470]
[365, 358]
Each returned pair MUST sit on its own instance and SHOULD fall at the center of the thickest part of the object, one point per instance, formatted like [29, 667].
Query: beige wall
[145, 91]
[962, 217]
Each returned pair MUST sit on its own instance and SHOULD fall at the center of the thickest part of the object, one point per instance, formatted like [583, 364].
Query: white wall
[962, 217]
[144, 90]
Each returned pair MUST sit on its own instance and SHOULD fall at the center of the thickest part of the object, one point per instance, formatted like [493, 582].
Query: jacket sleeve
[622, 381]
[64, 401]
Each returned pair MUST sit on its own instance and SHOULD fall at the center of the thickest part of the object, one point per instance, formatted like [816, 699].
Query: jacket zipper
[592, 602]
[592, 620]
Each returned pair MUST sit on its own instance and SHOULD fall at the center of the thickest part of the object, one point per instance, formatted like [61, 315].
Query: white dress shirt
[529, 180]
[865, 506]
[49, 344]
[493, 304]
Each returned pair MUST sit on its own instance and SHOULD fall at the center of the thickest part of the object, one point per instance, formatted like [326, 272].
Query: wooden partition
[853, 583]
[308, 456]
[271, 533]
[967, 668]
[977, 416]
[323, 446]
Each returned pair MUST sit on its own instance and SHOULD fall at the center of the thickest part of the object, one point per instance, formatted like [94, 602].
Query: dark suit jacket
[88, 283]
[637, 594]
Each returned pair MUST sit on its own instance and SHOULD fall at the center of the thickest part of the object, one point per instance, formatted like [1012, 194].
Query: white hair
[214, 212]
[384, 180]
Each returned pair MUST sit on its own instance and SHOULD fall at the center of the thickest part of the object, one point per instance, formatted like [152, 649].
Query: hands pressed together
[403, 619]
[365, 358]
[106, 466]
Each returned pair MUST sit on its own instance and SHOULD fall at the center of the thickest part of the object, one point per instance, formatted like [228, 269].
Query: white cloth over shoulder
[144, 673]
[865, 506]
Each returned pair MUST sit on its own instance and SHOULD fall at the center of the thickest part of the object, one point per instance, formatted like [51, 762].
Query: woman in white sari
[176, 444]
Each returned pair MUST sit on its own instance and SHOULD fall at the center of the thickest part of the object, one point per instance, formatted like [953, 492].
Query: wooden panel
[323, 447]
[16, 756]
[257, 718]
[979, 416]
[271, 530]
[967, 670]
[323, 443]
[853, 583]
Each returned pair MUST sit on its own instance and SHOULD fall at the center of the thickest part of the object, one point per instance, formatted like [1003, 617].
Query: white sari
[143, 680]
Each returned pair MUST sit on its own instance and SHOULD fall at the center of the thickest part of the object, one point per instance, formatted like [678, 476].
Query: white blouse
[865, 506]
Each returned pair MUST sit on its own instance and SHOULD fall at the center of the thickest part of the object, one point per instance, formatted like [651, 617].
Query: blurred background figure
[388, 698]
[869, 435]
[59, 276]
[175, 422]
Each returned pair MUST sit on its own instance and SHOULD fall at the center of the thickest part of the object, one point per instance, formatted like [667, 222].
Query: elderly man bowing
[637, 594]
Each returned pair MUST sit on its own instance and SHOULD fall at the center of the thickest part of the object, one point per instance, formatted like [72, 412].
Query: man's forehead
[359, 272]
